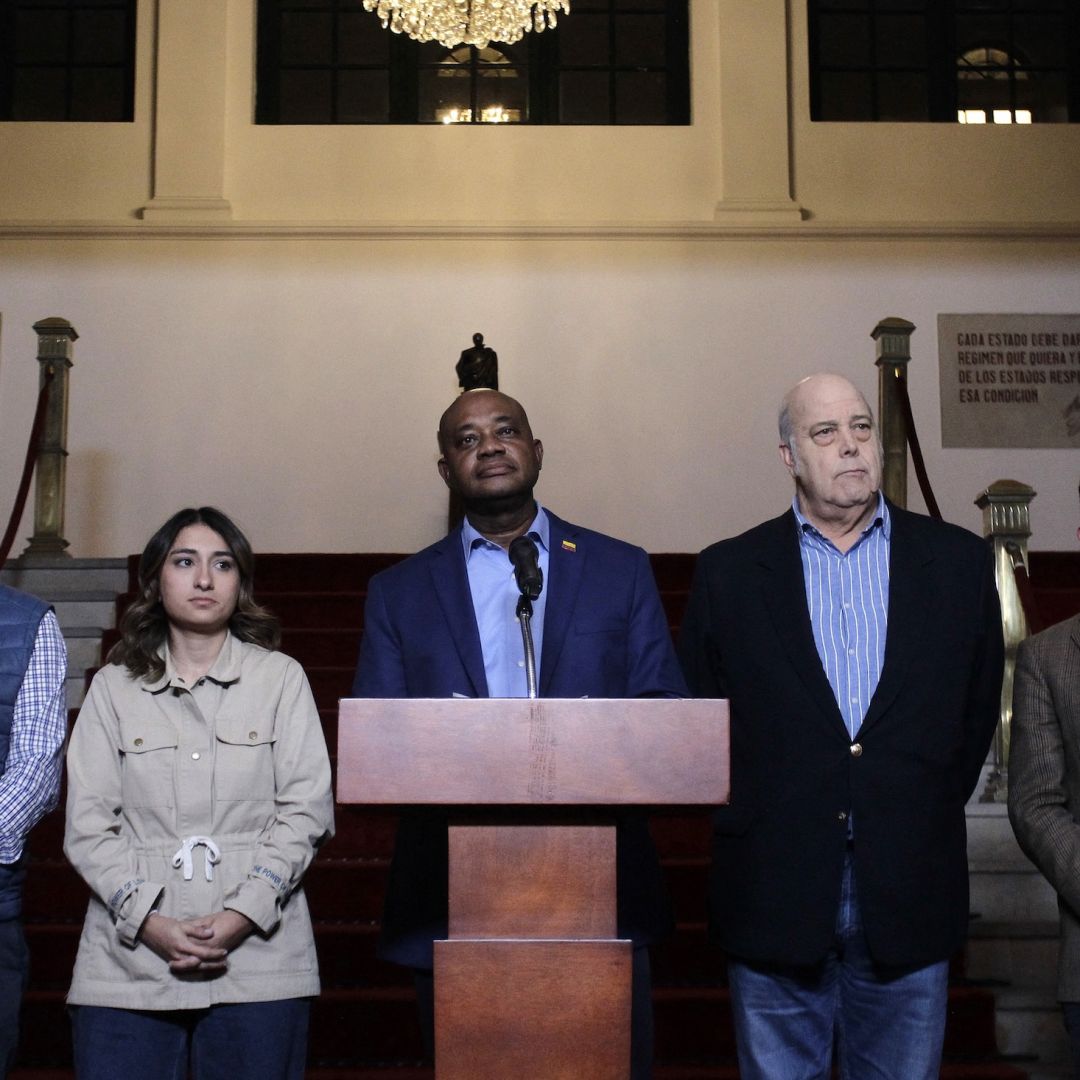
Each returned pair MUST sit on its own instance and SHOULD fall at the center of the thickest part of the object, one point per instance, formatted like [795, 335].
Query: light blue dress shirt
[495, 596]
[848, 598]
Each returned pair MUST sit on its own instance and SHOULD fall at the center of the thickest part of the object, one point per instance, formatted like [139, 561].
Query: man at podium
[442, 624]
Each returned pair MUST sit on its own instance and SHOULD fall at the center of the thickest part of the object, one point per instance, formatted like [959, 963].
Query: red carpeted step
[315, 572]
[347, 957]
[365, 1026]
[348, 890]
[52, 952]
[316, 610]
[53, 891]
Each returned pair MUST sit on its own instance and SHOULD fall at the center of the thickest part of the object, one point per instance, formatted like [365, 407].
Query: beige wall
[269, 317]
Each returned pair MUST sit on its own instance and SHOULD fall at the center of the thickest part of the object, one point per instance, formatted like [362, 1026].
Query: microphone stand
[524, 614]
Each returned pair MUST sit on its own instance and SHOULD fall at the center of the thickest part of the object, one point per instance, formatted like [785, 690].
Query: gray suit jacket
[1044, 776]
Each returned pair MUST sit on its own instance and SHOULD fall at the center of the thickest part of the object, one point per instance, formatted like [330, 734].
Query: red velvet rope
[28, 467]
[916, 451]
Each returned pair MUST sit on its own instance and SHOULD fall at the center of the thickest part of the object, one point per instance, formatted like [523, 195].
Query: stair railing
[1006, 519]
[895, 418]
[32, 448]
[1006, 507]
[56, 342]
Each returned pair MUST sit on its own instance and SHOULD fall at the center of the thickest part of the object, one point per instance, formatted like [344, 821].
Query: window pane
[584, 97]
[40, 94]
[361, 40]
[306, 97]
[1045, 94]
[307, 38]
[363, 97]
[445, 93]
[901, 41]
[507, 95]
[583, 40]
[637, 5]
[984, 30]
[844, 41]
[640, 97]
[1041, 41]
[97, 94]
[639, 41]
[902, 95]
[846, 95]
[100, 37]
[42, 37]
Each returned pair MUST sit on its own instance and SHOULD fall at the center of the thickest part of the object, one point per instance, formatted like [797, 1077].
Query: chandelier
[467, 22]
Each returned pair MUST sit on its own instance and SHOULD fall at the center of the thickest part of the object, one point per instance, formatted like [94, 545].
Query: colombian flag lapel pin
[568, 545]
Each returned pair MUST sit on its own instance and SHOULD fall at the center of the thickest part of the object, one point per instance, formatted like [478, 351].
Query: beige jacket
[238, 760]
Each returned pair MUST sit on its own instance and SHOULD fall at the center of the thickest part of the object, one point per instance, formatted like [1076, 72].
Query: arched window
[985, 88]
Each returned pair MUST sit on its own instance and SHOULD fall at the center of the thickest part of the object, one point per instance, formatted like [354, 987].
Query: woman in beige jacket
[198, 791]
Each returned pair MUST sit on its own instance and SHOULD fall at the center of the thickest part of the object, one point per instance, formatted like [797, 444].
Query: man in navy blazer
[861, 649]
[441, 624]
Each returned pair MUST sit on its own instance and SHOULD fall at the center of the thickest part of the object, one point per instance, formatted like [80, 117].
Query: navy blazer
[605, 635]
[797, 774]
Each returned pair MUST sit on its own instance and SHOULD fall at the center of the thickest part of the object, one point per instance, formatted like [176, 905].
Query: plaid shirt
[31, 781]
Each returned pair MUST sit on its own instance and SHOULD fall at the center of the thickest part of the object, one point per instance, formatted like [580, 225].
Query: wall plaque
[1009, 380]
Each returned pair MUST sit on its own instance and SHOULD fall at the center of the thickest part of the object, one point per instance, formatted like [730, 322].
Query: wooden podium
[532, 982]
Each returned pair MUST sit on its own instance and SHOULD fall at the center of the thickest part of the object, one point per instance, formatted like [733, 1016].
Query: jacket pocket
[244, 771]
[148, 758]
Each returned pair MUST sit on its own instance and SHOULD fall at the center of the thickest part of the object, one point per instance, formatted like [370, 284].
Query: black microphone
[525, 557]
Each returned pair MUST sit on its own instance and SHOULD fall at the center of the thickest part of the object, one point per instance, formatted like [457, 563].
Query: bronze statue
[478, 367]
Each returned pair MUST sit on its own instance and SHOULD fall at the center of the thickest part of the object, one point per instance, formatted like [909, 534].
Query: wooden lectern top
[545, 751]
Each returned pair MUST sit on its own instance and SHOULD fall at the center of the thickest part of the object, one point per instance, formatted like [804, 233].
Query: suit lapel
[909, 604]
[450, 583]
[784, 593]
[565, 566]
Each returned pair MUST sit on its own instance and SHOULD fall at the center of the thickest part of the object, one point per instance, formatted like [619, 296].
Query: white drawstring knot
[183, 856]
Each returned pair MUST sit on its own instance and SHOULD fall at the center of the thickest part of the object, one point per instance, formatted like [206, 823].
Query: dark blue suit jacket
[605, 635]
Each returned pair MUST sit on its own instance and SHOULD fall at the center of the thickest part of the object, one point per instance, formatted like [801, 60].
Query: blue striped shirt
[848, 598]
[31, 781]
[495, 596]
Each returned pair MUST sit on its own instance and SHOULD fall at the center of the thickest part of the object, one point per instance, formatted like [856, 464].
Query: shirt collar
[224, 670]
[882, 518]
[539, 530]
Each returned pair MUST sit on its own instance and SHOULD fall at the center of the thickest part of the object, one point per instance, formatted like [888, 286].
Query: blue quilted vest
[20, 616]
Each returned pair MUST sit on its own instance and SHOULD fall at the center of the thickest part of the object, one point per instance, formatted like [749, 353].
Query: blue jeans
[14, 960]
[1070, 1011]
[887, 1025]
[263, 1040]
[14, 969]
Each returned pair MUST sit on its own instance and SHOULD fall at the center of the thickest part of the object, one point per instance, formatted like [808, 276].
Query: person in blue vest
[33, 722]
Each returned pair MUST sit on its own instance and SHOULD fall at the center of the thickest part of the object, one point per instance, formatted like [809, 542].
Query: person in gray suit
[1044, 787]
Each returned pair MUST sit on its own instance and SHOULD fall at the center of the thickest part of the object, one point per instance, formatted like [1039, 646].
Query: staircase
[363, 1024]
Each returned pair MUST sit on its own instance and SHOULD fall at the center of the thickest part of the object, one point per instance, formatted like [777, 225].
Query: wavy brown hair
[144, 626]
